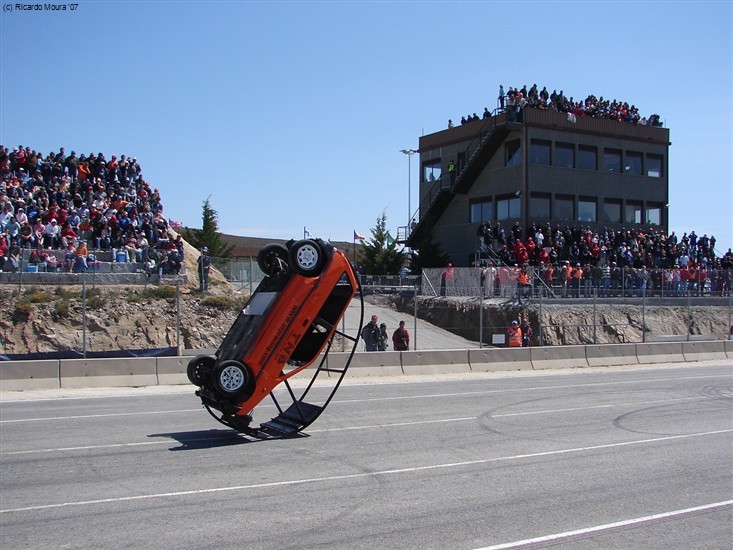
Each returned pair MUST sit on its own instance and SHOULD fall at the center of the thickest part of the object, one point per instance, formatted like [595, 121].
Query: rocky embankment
[564, 322]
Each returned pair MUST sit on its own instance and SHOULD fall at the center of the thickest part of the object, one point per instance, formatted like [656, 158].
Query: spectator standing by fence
[401, 338]
[370, 334]
[514, 335]
[204, 266]
[526, 333]
[383, 342]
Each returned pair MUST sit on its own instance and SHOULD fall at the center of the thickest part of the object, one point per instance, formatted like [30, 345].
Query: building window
[587, 157]
[612, 160]
[481, 211]
[632, 212]
[564, 155]
[431, 170]
[586, 210]
[633, 163]
[539, 152]
[611, 211]
[513, 153]
[539, 206]
[654, 166]
[564, 208]
[654, 214]
[507, 209]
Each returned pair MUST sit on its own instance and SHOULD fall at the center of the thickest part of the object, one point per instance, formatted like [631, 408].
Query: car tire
[200, 368]
[307, 258]
[234, 379]
[272, 259]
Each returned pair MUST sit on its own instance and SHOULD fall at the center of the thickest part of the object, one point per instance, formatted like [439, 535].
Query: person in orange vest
[524, 288]
[514, 335]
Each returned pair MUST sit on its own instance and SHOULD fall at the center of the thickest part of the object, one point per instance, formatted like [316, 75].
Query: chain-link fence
[466, 307]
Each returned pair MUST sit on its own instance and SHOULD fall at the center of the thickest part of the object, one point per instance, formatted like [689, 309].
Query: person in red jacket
[401, 338]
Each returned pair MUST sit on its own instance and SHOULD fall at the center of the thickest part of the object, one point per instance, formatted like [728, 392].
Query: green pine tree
[208, 236]
[380, 256]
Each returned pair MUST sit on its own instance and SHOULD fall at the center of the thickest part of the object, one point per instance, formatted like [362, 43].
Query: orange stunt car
[288, 323]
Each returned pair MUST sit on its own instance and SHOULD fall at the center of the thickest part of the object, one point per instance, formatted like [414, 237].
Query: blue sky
[292, 114]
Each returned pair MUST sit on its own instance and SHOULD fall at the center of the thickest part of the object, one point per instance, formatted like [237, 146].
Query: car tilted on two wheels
[289, 323]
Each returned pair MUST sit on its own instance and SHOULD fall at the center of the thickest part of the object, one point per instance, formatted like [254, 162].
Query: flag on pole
[306, 233]
[390, 240]
[358, 237]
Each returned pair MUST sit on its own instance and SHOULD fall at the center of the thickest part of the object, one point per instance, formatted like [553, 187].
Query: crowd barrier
[152, 371]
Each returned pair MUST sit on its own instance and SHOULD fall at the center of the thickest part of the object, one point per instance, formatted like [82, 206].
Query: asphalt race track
[599, 458]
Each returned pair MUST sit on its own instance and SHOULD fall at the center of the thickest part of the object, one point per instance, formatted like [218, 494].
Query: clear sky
[292, 114]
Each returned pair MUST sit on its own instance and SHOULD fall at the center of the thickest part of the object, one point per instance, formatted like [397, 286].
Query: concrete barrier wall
[172, 370]
[99, 373]
[608, 355]
[558, 357]
[435, 362]
[703, 351]
[95, 373]
[373, 363]
[496, 359]
[670, 352]
[29, 375]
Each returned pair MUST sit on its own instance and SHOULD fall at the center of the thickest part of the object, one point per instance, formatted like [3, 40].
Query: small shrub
[38, 298]
[164, 292]
[95, 302]
[222, 302]
[60, 309]
[67, 294]
[22, 312]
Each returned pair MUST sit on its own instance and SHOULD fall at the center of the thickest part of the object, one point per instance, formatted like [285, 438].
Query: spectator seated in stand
[68, 197]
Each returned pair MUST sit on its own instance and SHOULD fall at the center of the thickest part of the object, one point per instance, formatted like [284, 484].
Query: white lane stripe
[367, 400]
[607, 526]
[233, 435]
[525, 389]
[76, 417]
[365, 427]
[363, 474]
[607, 406]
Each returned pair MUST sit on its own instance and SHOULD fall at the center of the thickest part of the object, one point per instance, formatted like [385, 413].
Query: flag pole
[354, 249]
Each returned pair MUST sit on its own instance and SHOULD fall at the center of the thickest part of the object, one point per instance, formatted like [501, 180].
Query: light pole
[409, 153]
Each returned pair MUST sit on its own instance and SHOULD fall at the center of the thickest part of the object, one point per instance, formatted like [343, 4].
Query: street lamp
[409, 153]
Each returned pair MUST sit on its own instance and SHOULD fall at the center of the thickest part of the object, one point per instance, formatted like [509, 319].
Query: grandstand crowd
[575, 253]
[77, 205]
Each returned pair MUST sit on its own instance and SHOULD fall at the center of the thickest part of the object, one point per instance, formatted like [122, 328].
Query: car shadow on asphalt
[206, 439]
[211, 439]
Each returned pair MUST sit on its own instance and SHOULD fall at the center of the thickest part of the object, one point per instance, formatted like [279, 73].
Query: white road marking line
[393, 425]
[524, 389]
[607, 526]
[366, 400]
[607, 406]
[76, 417]
[365, 427]
[361, 474]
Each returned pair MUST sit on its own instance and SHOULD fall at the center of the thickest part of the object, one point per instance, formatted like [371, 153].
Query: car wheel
[307, 258]
[272, 259]
[233, 378]
[200, 368]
